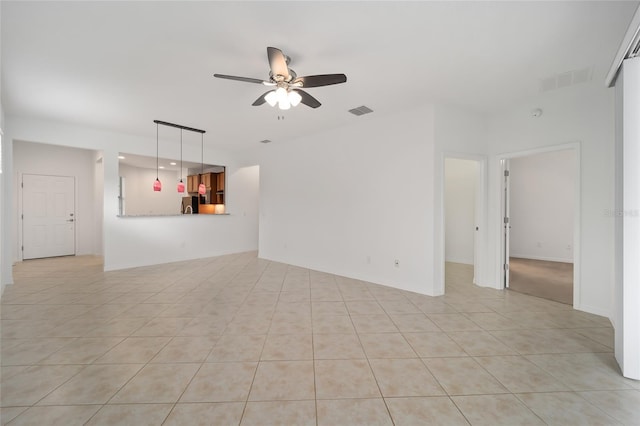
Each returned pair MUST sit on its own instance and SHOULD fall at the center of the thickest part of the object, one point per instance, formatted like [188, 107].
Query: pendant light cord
[157, 152]
[180, 155]
[202, 151]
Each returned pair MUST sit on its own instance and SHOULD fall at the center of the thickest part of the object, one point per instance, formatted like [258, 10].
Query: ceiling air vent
[265, 141]
[361, 110]
[565, 79]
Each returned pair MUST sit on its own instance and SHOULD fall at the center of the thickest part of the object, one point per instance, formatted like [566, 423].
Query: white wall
[41, 159]
[627, 216]
[542, 190]
[98, 203]
[581, 114]
[243, 197]
[141, 241]
[5, 256]
[461, 181]
[141, 199]
[618, 293]
[352, 200]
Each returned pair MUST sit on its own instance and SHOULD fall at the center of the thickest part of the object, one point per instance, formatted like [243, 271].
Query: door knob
[70, 220]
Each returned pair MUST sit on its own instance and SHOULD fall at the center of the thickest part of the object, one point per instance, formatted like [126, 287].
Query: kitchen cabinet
[220, 181]
[214, 182]
[192, 183]
[207, 179]
[218, 195]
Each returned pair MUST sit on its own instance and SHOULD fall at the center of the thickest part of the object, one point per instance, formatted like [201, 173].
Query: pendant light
[181, 183]
[157, 185]
[201, 188]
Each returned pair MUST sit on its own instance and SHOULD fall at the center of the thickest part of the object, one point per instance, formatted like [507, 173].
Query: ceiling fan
[287, 86]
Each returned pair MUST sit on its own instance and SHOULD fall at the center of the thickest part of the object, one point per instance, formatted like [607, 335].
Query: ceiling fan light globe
[284, 103]
[271, 98]
[294, 98]
[281, 93]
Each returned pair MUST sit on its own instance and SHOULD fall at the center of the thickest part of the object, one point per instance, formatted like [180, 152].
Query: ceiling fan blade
[262, 99]
[278, 63]
[307, 99]
[245, 79]
[321, 80]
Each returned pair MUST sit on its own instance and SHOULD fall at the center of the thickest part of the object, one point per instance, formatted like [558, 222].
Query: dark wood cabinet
[214, 182]
[207, 179]
[192, 183]
[217, 196]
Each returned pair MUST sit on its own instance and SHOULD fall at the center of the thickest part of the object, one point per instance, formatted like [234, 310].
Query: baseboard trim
[547, 259]
[595, 311]
[463, 261]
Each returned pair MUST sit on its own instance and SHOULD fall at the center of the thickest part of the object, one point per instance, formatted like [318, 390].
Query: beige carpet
[549, 280]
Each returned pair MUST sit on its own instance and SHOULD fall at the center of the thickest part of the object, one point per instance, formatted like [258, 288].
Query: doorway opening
[541, 223]
[463, 195]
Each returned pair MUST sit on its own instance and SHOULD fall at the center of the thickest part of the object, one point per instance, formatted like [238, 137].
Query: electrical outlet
[538, 244]
[368, 260]
[396, 263]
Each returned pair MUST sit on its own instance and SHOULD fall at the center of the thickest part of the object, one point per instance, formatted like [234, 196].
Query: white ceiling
[120, 65]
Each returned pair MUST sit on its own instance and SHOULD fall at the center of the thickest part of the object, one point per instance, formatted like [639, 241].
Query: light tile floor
[238, 340]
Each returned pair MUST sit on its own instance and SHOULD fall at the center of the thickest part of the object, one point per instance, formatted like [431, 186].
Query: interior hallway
[239, 340]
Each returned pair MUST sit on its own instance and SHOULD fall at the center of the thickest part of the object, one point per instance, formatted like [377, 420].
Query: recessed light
[173, 163]
[121, 157]
[161, 167]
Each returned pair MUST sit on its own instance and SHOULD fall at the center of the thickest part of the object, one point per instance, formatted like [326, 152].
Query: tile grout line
[246, 402]
[384, 401]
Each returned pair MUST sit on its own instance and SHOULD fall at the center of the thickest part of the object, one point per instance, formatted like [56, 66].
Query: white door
[48, 213]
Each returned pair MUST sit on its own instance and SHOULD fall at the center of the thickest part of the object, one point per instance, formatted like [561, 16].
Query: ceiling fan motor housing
[277, 78]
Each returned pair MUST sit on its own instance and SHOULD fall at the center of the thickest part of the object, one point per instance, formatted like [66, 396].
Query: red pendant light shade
[181, 183]
[201, 188]
[157, 185]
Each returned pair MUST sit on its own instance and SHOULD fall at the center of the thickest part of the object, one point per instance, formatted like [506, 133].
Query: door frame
[577, 258]
[479, 255]
[506, 219]
[20, 200]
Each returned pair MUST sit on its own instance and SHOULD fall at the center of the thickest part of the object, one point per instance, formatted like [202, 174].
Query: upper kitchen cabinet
[192, 183]
[207, 179]
[219, 192]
